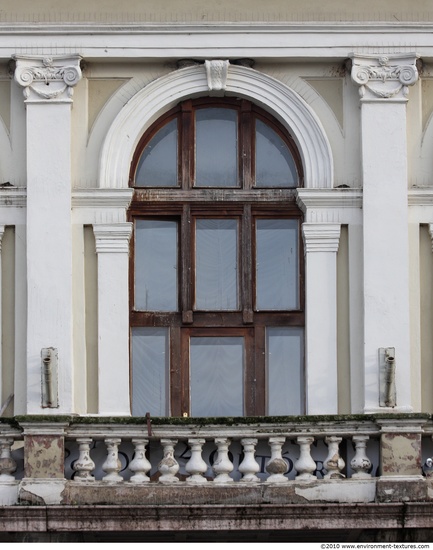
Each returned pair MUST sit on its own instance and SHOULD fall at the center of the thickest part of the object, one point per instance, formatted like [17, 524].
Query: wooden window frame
[187, 203]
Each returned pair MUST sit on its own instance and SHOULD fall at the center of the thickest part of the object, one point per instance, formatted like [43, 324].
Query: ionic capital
[384, 77]
[47, 79]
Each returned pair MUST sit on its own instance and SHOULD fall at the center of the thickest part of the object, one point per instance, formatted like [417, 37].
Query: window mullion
[176, 374]
[187, 145]
[246, 149]
[246, 266]
[186, 268]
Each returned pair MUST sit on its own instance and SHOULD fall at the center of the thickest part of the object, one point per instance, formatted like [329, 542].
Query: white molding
[13, 197]
[330, 40]
[341, 206]
[162, 94]
[321, 237]
[420, 197]
[112, 237]
[101, 198]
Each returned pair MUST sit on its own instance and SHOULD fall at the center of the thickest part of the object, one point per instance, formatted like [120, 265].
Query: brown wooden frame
[187, 203]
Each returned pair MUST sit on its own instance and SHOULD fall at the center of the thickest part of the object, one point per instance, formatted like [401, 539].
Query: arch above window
[163, 94]
[216, 143]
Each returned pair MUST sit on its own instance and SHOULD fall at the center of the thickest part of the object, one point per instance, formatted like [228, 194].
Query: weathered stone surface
[95, 493]
[41, 492]
[400, 454]
[401, 489]
[45, 456]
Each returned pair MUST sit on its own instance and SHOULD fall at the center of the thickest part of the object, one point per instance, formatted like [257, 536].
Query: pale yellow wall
[5, 103]
[98, 99]
[426, 283]
[91, 315]
[8, 316]
[343, 334]
[216, 10]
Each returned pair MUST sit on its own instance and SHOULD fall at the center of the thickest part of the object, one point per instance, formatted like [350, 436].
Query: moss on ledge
[206, 421]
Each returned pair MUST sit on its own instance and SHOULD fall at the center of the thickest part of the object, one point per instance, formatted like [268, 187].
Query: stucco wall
[172, 10]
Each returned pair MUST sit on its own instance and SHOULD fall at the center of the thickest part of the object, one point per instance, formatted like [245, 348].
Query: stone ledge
[212, 517]
[97, 493]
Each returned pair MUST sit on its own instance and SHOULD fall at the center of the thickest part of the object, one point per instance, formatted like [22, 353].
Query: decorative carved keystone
[47, 78]
[384, 76]
[216, 73]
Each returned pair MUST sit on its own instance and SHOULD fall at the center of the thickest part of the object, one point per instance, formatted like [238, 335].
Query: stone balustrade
[354, 459]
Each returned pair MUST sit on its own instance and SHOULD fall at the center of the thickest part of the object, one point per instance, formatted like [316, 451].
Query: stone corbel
[384, 76]
[216, 73]
[46, 79]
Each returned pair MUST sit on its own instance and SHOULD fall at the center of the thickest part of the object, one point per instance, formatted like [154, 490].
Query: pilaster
[321, 246]
[384, 86]
[112, 248]
[2, 397]
[48, 84]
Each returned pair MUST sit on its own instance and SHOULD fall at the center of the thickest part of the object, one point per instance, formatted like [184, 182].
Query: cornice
[321, 237]
[223, 40]
[420, 197]
[13, 196]
[113, 237]
[328, 198]
[101, 198]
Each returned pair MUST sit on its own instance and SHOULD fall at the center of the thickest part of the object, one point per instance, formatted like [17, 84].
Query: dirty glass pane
[277, 265]
[156, 265]
[217, 365]
[157, 166]
[275, 166]
[284, 360]
[216, 251]
[216, 152]
[150, 356]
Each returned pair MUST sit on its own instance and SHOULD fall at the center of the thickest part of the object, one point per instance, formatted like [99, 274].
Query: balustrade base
[402, 489]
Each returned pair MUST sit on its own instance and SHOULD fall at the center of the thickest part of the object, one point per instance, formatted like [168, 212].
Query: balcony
[339, 472]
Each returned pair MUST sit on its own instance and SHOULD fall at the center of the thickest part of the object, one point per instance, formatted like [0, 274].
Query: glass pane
[150, 357]
[217, 365]
[277, 265]
[216, 248]
[285, 358]
[216, 152]
[157, 166]
[275, 166]
[156, 265]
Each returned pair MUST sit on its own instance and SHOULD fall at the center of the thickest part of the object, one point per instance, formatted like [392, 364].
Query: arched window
[217, 302]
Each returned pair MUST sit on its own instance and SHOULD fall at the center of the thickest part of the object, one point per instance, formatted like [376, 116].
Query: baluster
[305, 465]
[276, 466]
[7, 463]
[168, 467]
[196, 466]
[112, 463]
[139, 464]
[333, 463]
[84, 465]
[249, 467]
[360, 463]
[222, 465]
